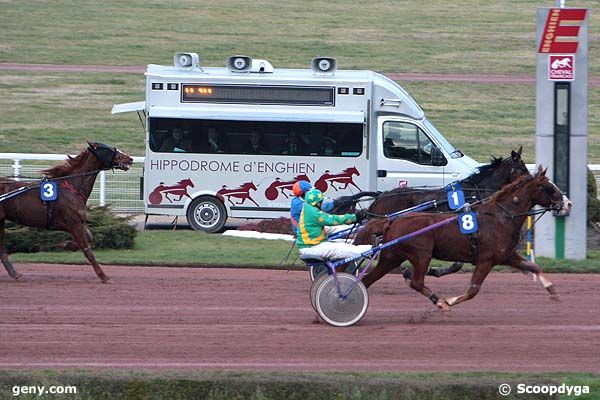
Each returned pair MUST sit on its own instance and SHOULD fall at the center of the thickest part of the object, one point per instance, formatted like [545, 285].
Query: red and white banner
[562, 30]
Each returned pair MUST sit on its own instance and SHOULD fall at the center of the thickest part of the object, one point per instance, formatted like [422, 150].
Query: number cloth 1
[467, 222]
[456, 197]
[48, 191]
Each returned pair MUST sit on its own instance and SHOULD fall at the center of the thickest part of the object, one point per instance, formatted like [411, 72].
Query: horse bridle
[104, 153]
[554, 206]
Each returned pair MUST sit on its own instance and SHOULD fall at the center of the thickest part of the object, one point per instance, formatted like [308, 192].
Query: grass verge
[217, 385]
[188, 248]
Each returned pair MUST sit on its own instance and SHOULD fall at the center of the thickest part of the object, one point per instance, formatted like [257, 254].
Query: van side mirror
[437, 157]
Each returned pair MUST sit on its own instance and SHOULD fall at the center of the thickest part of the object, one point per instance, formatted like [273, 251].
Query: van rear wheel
[207, 214]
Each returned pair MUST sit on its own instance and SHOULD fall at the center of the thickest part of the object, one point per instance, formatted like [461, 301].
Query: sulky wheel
[335, 310]
[314, 287]
[316, 270]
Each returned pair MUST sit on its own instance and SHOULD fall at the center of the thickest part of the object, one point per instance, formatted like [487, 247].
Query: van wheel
[206, 214]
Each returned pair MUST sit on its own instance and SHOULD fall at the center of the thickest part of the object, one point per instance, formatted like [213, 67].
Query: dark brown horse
[74, 182]
[500, 220]
[487, 180]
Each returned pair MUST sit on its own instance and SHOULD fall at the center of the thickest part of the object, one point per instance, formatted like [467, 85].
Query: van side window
[318, 139]
[406, 141]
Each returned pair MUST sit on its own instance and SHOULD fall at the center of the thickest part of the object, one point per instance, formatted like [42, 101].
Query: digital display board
[258, 94]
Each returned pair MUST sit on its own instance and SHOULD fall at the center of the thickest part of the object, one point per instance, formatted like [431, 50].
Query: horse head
[352, 171]
[249, 186]
[549, 195]
[186, 182]
[110, 157]
[528, 191]
[500, 171]
[301, 178]
[517, 165]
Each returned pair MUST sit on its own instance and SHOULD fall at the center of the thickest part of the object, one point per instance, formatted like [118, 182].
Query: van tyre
[207, 214]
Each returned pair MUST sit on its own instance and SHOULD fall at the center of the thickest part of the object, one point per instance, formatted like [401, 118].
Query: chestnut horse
[74, 182]
[488, 179]
[499, 219]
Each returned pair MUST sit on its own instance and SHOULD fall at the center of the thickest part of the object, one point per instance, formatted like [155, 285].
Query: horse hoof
[555, 297]
[105, 279]
[18, 277]
[443, 306]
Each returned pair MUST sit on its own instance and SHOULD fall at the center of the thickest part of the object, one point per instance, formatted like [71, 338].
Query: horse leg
[436, 272]
[4, 256]
[80, 235]
[479, 275]
[417, 282]
[72, 245]
[525, 266]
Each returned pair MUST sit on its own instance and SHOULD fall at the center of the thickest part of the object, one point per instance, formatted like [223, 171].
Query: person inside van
[329, 146]
[311, 238]
[215, 142]
[294, 144]
[256, 144]
[176, 142]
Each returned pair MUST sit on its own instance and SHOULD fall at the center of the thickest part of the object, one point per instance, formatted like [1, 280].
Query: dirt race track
[62, 316]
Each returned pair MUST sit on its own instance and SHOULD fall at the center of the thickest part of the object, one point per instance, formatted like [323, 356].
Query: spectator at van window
[215, 142]
[176, 142]
[256, 144]
[294, 144]
[328, 146]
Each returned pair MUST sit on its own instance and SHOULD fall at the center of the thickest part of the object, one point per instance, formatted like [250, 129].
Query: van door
[406, 156]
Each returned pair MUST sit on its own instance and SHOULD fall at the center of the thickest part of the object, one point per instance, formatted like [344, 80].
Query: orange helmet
[301, 187]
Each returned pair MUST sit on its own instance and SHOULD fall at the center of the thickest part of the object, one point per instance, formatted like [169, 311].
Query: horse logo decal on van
[272, 192]
[343, 178]
[180, 189]
[242, 193]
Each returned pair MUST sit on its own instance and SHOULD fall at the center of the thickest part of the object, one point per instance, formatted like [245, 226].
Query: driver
[312, 235]
[299, 190]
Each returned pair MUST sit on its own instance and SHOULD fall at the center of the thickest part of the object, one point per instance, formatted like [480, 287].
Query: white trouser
[334, 250]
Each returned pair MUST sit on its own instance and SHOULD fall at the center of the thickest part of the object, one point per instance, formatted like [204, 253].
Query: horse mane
[506, 189]
[65, 168]
[485, 170]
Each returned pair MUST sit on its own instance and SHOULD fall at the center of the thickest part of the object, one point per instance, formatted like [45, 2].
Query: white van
[232, 141]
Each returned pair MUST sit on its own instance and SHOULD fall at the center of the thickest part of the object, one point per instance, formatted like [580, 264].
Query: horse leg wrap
[434, 298]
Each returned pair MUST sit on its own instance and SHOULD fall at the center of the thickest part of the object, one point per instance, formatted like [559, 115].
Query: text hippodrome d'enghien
[232, 166]
[562, 23]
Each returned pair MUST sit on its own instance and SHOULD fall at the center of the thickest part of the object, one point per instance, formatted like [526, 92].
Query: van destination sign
[232, 166]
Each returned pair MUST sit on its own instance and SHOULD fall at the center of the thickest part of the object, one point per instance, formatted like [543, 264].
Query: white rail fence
[119, 189]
